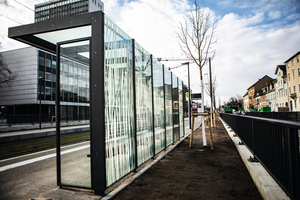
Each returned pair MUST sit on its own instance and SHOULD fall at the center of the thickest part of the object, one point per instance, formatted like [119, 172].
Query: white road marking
[26, 162]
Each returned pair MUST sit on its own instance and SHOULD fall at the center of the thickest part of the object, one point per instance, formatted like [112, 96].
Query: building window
[292, 62]
[290, 91]
[298, 71]
[294, 89]
[288, 65]
[299, 88]
[297, 59]
[289, 76]
[293, 74]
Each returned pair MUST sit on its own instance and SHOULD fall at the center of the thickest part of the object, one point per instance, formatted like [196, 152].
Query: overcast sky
[253, 36]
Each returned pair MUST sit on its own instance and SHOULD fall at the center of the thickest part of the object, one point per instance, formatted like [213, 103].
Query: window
[298, 71]
[292, 62]
[297, 59]
[294, 89]
[288, 65]
[289, 76]
[290, 90]
[293, 74]
[299, 88]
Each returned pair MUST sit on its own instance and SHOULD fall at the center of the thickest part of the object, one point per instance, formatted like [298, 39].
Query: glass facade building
[135, 103]
[63, 8]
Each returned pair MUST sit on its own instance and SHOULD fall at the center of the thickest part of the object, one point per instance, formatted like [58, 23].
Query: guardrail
[290, 116]
[275, 144]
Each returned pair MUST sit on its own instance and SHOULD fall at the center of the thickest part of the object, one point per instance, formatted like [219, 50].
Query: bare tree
[214, 86]
[196, 36]
[7, 77]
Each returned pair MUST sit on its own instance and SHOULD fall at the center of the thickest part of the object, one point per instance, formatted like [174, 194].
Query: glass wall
[169, 107]
[159, 110]
[71, 172]
[181, 119]
[119, 108]
[175, 107]
[143, 97]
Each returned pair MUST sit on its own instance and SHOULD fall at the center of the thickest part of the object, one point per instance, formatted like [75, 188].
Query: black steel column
[172, 105]
[178, 108]
[183, 108]
[97, 106]
[134, 106]
[153, 125]
[57, 99]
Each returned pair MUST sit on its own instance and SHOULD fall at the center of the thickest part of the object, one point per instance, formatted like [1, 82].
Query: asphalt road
[33, 176]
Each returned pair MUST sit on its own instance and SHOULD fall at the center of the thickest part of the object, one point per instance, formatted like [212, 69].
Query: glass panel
[168, 110]
[159, 110]
[175, 107]
[181, 120]
[55, 37]
[75, 165]
[143, 97]
[119, 112]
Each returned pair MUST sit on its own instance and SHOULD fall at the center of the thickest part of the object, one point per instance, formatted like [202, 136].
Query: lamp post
[189, 104]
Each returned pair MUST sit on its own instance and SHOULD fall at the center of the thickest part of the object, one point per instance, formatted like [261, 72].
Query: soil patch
[196, 173]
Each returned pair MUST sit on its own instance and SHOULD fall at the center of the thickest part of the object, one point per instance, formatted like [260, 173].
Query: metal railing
[290, 116]
[275, 144]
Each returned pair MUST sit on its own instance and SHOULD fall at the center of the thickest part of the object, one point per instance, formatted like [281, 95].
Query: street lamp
[189, 108]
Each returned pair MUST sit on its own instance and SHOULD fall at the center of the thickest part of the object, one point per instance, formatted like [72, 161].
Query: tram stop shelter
[135, 103]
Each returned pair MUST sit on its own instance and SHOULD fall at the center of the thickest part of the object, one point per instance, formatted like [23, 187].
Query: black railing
[290, 116]
[275, 144]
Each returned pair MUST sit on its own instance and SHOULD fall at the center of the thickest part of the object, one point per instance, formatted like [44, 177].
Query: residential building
[281, 89]
[64, 8]
[293, 77]
[271, 96]
[246, 102]
[255, 91]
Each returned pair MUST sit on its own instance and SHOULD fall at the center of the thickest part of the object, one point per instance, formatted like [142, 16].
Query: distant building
[255, 91]
[63, 8]
[36, 85]
[281, 89]
[293, 77]
[246, 102]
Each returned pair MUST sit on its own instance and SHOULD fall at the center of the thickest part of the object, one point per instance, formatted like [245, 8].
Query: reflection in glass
[181, 120]
[175, 107]
[119, 112]
[143, 96]
[159, 111]
[71, 172]
[168, 109]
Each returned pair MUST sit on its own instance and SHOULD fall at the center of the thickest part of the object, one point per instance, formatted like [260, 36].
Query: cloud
[246, 53]
[274, 14]
[247, 49]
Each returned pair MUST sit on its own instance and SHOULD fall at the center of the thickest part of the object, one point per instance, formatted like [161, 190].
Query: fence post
[293, 162]
[253, 143]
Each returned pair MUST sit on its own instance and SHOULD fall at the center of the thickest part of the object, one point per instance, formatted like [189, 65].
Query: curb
[139, 173]
[266, 185]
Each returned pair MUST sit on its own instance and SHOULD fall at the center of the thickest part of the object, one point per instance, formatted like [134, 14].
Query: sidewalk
[196, 173]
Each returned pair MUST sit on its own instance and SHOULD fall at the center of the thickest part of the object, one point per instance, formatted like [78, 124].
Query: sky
[253, 37]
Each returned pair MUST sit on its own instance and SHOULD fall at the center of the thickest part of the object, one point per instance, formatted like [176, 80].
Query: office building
[64, 8]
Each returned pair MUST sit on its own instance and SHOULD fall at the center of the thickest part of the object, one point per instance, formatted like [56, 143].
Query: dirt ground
[196, 173]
